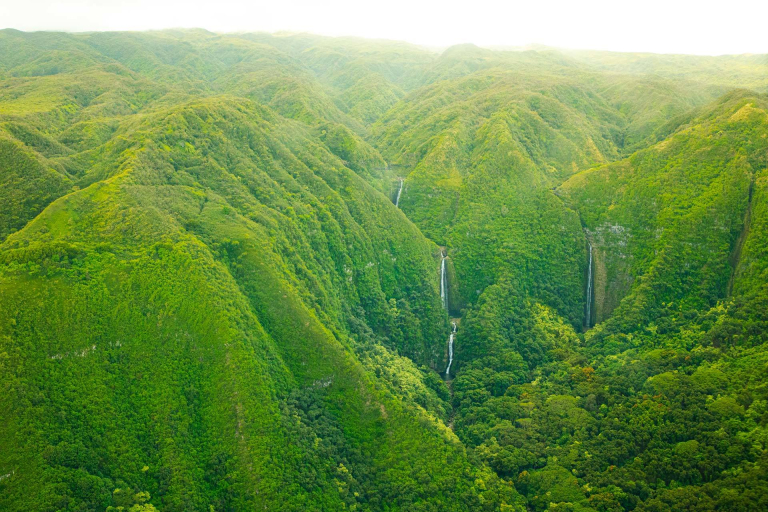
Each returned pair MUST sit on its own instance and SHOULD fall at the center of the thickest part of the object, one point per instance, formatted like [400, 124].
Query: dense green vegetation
[209, 302]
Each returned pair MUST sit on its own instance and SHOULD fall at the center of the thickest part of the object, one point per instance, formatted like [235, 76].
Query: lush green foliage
[209, 302]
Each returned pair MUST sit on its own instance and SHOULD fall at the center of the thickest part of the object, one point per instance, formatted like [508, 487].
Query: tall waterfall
[443, 283]
[444, 298]
[450, 350]
[588, 312]
[399, 191]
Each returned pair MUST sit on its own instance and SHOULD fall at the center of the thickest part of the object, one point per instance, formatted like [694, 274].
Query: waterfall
[450, 350]
[444, 298]
[443, 283]
[399, 191]
[588, 315]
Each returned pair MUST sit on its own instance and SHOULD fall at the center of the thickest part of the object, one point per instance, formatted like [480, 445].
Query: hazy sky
[664, 26]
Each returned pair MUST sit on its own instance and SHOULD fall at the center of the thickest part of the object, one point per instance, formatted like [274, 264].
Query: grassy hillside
[682, 200]
[659, 406]
[482, 152]
[209, 302]
[229, 318]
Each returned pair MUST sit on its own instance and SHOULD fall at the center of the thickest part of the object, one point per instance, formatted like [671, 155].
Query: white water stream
[450, 351]
[444, 298]
[588, 315]
[443, 284]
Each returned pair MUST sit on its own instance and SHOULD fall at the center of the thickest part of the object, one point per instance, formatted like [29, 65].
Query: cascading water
[588, 309]
[450, 350]
[443, 283]
[399, 191]
[444, 298]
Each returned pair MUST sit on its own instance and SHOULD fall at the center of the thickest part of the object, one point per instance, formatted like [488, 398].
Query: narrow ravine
[444, 299]
[443, 282]
[590, 279]
[443, 291]
[450, 350]
[739, 245]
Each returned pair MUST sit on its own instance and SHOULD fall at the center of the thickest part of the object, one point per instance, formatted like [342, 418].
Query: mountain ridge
[209, 300]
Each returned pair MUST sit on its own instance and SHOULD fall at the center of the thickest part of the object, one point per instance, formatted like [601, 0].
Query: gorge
[218, 292]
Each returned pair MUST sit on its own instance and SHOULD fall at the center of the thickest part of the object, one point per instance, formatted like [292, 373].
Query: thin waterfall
[443, 283]
[588, 315]
[399, 191]
[444, 298]
[450, 350]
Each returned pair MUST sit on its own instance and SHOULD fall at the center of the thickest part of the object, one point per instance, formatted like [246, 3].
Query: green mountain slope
[232, 305]
[208, 300]
[482, 152]
[682, 200]
[724, 71]
[660, 407]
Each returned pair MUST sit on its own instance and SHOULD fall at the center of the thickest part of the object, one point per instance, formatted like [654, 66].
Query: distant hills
[209, 300]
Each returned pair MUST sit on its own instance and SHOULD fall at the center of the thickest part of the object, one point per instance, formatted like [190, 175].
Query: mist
[654, 26]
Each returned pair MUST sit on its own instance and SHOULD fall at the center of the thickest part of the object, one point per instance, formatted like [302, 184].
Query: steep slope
[366, 78]
[482, 146]
[481, 154]
[682, 200]
[27, 185]
[661, 406]
[127, 73]
[208, 301]
[202, 322]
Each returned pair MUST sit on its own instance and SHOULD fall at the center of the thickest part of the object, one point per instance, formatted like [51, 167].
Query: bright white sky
[662, 26]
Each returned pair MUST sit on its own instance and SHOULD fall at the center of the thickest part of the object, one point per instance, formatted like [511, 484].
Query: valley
[300, 273]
